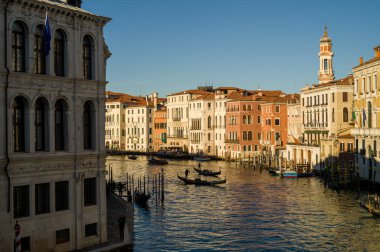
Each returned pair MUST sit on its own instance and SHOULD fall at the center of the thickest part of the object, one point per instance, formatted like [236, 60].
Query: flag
[47, 35]
[364, 117]
[354, 118]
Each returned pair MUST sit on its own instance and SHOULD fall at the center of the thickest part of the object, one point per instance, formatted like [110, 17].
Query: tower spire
[326, 72]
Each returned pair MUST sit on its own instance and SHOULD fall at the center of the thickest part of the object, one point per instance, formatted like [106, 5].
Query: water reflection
[252, 211]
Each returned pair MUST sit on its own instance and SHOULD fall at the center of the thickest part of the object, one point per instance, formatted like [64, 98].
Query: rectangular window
[258, 136]
[345, 96]
[259, 119]
[91, 229]
[341, 147]
[42, 198]
[332, 97]
[21, 201]
[258, 107]
[61, 195]
[62, 236]
[277, 109]
[89, 191]
[277, 121]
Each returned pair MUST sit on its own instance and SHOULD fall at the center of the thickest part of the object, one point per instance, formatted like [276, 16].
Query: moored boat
[133, 157]
[207, 172]
[142, 198]
[157, 161]
[289, 174]
[198, 181]
[202, 159]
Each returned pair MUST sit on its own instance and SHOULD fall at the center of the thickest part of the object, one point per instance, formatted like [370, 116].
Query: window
[62, 236]
[333, 97]
[61, 196]
[345, 115]
[259, 136]
[258, 107]
[59, 53]
[42, 197]
[333, 115]
[277, 121]
[87, 57]
[209, 122]
[89, 191]
[40, 122]
[21, 201]
[18, 47]
[249, 135]
[244, 135]
[277, 109]
[325, 64]
[259, 119]
[91, 229]
[19, 107]
[39, 52]
[60, 124]
[345, 96]
[88, 129]
[341, 147]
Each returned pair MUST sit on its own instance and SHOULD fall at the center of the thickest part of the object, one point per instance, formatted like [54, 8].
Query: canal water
[253, 211]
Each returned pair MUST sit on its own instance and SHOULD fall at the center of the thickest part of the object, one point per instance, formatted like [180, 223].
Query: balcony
[365, 132]
[235, 141]
[177, 136]
[176, 119]
[315, 125]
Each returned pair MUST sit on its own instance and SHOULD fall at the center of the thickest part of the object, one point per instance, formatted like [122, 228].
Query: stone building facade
[52, 156]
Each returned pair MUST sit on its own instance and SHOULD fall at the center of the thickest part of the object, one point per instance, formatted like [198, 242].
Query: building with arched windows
[52, 155]
[367, 116]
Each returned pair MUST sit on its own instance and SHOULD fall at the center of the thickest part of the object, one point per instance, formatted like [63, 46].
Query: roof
[190, 91]
[209, 96]
[375, 59]
[254, 95]
[349, 80]
[62, 4]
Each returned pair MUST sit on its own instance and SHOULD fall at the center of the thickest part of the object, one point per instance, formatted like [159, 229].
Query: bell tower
[326, 72]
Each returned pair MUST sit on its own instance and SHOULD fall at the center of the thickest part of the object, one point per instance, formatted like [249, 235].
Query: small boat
[199, 181]
[306, 174]
[207, 172]
[142, 198]
[289, 174]
[371, 210]
[157, 161]
[133, 157]
[201, 159]
[274, 172]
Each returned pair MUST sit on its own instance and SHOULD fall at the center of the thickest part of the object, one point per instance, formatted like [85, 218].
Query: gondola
[157, 161]
[207, 172]
[142, 198]
[133, 157]
[199, 181]
[202, 159]
[371, 210]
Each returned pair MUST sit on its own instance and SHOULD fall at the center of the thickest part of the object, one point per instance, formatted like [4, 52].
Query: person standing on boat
[187, 173]
[376, 200]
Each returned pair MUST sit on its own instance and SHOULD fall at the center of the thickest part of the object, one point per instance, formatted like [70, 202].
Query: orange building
[243, 119]
[159, 128]
[275, 124]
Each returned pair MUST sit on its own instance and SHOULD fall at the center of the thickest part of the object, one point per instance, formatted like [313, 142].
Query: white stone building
[178, 117]
[52, 157]
[202, 124]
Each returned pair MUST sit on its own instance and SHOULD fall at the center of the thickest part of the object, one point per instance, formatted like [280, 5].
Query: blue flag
[47, 35]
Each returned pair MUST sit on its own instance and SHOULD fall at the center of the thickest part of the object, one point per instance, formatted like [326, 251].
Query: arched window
[87, 57]
[59, 53]
[18, 47]
[244, 135]
[88, 129]
[249, 135]
[19, 108]
[345, 115]
[60, 117]
[39, 52]
[333, 115]
[249, 119]
[209, 122]
[325, 64]
[40, 123]
[244, 119]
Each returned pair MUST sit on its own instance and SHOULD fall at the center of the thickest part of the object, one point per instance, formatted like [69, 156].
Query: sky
[167, 46]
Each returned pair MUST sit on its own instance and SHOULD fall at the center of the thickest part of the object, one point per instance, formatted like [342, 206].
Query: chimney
[361, 61]
[75, 3]
[155, 95]
[377, 51]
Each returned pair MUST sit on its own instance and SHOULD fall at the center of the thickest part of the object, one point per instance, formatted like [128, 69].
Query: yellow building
[367, 117]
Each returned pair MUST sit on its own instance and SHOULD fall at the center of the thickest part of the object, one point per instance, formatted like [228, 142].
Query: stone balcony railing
[365, 132]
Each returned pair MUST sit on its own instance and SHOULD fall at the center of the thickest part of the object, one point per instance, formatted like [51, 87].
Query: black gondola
[133, 157]
[142, 198]
[157, 161]
[207, 172]
[199, 181]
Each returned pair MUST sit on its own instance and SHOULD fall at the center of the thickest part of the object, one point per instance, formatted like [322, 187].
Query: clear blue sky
[173, 45]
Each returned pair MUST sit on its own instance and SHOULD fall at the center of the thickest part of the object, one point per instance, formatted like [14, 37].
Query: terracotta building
[159, 128]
